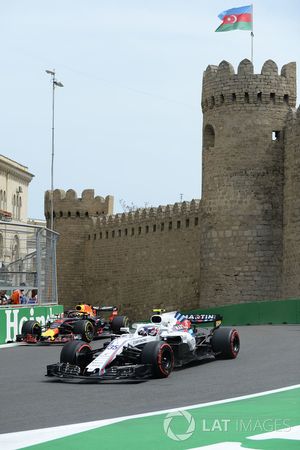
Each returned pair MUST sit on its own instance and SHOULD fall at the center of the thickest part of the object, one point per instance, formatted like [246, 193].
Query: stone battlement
[67, 204]
[145, 214]
[223, 87]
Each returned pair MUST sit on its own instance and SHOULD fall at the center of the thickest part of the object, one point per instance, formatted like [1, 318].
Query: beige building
[14, 182]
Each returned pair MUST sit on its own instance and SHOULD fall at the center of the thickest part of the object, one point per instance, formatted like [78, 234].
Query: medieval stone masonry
[239, 243]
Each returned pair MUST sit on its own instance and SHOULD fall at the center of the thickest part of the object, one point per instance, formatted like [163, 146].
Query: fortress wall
[291, 218]
[146, 259]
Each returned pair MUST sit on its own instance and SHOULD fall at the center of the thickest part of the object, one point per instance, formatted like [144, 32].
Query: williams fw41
[85, 322]
[150, 350]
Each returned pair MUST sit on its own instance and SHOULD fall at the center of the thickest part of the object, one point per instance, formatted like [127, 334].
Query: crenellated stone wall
[240, 243]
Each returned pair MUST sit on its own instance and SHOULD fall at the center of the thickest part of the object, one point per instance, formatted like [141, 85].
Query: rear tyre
[226, 343]
[85, 328]
[77, 353]
[31, 327]
[161, 357]
[119, 322]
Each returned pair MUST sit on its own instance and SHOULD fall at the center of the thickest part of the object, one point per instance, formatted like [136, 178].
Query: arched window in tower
[16, 248]
[209, 136]
[1, 249]
[19, 206]
[14, 206]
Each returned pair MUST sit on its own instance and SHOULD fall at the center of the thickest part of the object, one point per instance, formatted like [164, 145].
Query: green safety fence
[12, 319]
[257, 313]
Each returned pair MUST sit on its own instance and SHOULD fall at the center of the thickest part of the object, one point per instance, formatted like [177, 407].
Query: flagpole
[252, 36]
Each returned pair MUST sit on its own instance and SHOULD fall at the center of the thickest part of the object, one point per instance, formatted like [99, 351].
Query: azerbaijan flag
[236, 19]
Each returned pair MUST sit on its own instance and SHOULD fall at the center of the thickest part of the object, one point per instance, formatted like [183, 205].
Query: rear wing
[105, 308]
[198, 319]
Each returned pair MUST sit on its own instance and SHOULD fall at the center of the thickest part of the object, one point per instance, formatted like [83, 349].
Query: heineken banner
[12, 319]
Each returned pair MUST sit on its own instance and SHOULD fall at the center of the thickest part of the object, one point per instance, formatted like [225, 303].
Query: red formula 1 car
[85, 322]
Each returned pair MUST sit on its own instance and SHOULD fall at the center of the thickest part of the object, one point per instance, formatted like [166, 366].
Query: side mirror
[124, 329]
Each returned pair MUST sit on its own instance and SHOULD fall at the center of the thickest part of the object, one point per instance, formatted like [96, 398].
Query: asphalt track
[269, 359]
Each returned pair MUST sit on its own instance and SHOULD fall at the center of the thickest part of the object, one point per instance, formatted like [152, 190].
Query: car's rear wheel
[77, 353]
[85, 328]
[226, 343]
[31, 327]
[161, 357]
[119, 322]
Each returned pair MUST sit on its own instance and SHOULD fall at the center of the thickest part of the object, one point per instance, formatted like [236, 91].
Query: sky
[128, 120]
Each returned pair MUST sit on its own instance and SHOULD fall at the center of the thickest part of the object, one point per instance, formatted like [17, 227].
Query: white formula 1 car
[149, 350]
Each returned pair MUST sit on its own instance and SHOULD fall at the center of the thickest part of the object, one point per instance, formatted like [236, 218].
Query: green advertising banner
[12, 319]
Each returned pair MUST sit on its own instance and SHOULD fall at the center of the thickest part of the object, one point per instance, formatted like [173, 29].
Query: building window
[196, 221]
[1, 248]
[247, 100]
[178, 224]
[126, 231]
[209, 136]
[147, 228]
[286, 99]
[187, 223]
[233, 96]
[120, 233]
[170, 225]
[275, 135]
[154, 228]
[132, 231]
[106, 234]
[140, 230]
[162, 226]
[272, 97]
[100, 235]
[113, 234]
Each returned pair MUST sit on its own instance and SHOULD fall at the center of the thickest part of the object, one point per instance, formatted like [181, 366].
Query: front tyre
[226, 343]
[161, 357]
[77, 353]
[85, 328]
[31, 327]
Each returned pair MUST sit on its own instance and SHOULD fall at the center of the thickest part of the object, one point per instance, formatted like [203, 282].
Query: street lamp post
[55, 83]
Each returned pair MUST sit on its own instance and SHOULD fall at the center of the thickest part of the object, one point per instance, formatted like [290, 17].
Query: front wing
[66, 371]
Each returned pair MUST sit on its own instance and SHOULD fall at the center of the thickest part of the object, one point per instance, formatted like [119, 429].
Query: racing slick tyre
[226, 343]
[161, 357]
[119, 322]
[31, 327]
[78, 353]
[85, 328]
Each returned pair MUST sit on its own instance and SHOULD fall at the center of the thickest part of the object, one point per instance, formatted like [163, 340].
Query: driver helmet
[148, 330]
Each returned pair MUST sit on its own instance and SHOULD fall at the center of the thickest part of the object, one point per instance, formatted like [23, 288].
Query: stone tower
[291, 208]
[244, 116]
[73, 218]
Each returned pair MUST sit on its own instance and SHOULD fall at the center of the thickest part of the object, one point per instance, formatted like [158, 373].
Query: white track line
[12, 441]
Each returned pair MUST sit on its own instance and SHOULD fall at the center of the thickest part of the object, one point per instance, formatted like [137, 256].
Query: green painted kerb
[258, 313]
[237, 423]
[12, 319]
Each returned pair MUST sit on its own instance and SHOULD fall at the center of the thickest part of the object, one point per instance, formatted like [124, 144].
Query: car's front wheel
[161, 357]
[77, 353]
[31, 327]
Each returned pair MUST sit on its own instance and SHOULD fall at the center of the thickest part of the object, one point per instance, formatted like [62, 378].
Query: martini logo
[170, 429]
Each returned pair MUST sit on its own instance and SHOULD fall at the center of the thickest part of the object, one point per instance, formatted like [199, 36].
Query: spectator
[15, 297]
[3, 298]
[23, 298]
[33, 299]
